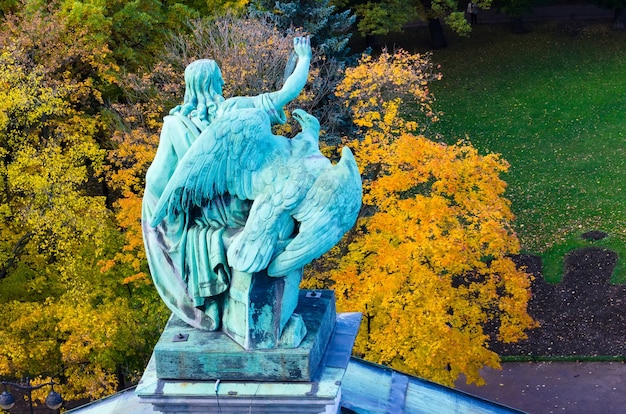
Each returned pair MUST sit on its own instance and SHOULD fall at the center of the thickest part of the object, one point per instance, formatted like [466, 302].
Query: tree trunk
[16, 252]
[619, 19]
[121, 383]
[436, 34]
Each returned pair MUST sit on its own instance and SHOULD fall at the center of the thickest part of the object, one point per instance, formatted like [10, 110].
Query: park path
[555, 387]
[550, 13]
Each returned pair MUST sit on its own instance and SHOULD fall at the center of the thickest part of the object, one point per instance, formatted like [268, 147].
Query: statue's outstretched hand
[302, 47]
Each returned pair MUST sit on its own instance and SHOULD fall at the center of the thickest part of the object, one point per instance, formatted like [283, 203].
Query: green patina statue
[231, 212]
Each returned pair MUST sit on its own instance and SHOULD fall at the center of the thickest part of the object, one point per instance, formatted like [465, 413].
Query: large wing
[329, 210]
[270, 216]
[224, 159]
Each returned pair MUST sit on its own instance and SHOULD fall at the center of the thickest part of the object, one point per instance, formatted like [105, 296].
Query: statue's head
[203, 77]
[308, 122]
[203, 88]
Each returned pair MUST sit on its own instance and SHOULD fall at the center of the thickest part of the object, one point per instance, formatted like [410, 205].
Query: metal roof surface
[366, 388]
[373, 388]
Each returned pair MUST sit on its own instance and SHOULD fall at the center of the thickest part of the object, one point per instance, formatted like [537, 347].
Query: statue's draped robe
[186, 253]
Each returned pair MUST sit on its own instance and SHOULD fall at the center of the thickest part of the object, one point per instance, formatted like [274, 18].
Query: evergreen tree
[318, 18]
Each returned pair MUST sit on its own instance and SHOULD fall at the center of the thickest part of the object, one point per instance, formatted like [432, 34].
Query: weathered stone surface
[186, 353]
[259, 308]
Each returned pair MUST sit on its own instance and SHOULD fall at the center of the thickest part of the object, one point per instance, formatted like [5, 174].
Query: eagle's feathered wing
[229, 157]
[238, 156]
[328, 211]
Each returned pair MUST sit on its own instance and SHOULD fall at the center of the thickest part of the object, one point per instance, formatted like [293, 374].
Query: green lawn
[554, 105]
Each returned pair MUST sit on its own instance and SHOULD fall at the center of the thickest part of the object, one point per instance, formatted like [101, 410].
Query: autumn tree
[211, 7]
[428, 261]
[63, 317]
[74, 286]
[135, 141]
[254, 57]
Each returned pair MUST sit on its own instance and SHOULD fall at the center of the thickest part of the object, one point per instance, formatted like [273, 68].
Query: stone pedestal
[186, 353]
[241, 386]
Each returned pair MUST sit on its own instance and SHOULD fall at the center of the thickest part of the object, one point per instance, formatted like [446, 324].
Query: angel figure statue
[231, 212]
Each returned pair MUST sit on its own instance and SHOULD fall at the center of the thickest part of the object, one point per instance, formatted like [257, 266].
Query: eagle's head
[308, 122]
[306, 145]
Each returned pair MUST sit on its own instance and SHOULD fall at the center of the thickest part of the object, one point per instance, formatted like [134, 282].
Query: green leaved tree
[380, 17]
[329, 28]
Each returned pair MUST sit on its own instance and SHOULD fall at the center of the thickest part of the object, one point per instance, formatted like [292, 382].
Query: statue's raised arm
[295, 82]
[273, 103]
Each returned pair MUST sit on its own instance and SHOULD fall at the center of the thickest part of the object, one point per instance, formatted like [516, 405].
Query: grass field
[553, 103]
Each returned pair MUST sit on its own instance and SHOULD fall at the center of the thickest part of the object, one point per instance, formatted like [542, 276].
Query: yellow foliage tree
[62, 318]
[135, 143]
[428, 262]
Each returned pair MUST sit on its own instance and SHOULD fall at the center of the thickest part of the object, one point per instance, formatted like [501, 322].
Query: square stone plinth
[186, 353]
[320, 395]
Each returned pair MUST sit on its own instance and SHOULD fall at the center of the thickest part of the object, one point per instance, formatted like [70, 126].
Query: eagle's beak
[299, 115]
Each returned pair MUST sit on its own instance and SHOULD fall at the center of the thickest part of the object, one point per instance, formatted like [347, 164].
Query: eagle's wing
[270, 219]
[225, 158]
[329, 210]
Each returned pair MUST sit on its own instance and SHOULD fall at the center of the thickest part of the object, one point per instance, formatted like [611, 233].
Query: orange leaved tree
[428, 261]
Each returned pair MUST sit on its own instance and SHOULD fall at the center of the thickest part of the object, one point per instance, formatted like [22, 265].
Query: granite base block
[185, 353]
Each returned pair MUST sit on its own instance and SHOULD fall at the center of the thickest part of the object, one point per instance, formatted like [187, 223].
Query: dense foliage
[320, 19]
[63, 316]
[84, 88]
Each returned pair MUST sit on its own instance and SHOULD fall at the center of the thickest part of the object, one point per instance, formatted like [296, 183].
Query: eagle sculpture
[301, 204]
